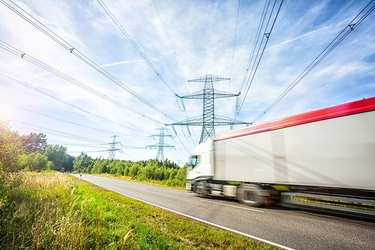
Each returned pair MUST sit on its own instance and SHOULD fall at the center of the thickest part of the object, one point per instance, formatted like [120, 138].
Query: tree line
[166, 171]
[33, 153]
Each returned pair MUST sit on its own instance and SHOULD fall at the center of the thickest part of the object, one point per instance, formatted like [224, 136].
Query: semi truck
[319, 158]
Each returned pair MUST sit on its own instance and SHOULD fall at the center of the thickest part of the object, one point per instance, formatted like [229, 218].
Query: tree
[100, 166]
[83, 163]
[56, 154]
[10, 148]
[68, 166]
[34, 162]
[133, 172]
[34, 142]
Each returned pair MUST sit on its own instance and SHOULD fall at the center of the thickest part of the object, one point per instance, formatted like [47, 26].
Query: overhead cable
[74, 123]
[259, 54]
[179, 63]
[109, 13]
[235, 38]
[170, 41]
[255, 44]
[331, 46]
[68, 104]
[56, 132]
[84, 151]
[44, 29]
[77, 144]
[71, 80]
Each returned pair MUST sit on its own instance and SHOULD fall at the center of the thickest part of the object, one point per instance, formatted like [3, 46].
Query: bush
[34, 162]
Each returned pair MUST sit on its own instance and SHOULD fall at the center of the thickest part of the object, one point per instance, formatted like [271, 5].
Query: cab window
[193, 160]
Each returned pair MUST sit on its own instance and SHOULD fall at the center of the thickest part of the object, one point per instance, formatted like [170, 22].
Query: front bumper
[189, 186]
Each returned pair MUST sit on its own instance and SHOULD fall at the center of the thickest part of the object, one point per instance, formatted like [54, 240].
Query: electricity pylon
[208, 120]
[112, 150]
[161, 145]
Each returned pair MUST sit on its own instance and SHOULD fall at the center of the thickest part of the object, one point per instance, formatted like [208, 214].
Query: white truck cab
[201, 163]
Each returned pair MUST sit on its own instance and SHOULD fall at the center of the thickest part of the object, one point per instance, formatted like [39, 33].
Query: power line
[77, 144]
[48, 68]
[56, 132]
[234, 48]
[85, 151]
[37, 24]
[59, 133]
[332, 45]
[267, 34]
[179, 63]
[235, 38]
[75, 107]
[252, 53]
[74, 51]
[44, 29]
[73, 123]
[66, 103]
[174, 50]
[109, 13]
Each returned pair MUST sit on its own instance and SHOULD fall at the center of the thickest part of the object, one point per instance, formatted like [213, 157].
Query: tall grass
[58, 211]
[42, 214]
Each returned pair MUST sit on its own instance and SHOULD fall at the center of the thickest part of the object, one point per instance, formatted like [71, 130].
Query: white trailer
[326, 154]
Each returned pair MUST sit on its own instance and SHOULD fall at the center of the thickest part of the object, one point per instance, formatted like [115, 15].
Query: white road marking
[244, 208]
[203, 221]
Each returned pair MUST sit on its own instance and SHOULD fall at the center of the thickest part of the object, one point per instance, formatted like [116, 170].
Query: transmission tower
[208, 120]
[161, 145]
[112, 150]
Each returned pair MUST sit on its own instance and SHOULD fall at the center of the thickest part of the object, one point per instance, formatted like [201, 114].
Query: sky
[90, 73]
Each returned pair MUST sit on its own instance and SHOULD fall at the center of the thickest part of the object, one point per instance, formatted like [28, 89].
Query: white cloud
[120, 63]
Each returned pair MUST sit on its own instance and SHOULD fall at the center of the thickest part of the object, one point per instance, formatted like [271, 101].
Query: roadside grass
[364, 205]
[59, 211]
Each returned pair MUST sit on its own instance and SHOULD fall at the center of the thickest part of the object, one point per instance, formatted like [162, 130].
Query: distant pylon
[208, 120]
[112, 150]
[161, 145]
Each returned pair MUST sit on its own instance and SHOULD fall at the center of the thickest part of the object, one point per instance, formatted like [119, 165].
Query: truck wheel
[200, 188]
[250, 194]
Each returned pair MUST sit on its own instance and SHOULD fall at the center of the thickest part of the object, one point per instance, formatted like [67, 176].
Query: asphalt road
[286, 228]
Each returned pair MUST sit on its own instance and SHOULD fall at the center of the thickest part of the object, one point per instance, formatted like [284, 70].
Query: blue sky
[182, 40]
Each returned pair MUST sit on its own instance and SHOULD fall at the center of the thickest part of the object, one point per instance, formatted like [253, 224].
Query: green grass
[336, 203]
[58, 211]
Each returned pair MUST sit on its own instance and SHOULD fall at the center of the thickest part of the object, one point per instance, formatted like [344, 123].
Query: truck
[319, 158]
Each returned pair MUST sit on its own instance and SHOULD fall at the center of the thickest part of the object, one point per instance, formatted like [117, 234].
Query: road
[286, 228]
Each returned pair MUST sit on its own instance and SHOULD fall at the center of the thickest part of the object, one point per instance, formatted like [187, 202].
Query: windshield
[193, 160]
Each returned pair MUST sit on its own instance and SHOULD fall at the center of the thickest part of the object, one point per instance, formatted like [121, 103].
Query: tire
[250, 195]
[200, 188]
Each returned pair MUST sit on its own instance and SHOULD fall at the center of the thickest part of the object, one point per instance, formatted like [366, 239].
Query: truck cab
[201, 163]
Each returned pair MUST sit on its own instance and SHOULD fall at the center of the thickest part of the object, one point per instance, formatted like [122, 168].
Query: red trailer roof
[349, 108]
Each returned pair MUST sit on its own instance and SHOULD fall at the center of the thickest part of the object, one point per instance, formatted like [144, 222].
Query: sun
[7, 112]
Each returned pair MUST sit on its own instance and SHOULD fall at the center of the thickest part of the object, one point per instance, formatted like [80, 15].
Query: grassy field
[58, 211]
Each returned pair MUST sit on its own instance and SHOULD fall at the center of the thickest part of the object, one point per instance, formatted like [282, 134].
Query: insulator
[188, 130]
[183, 104]
[178, 104]
[174, 130]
